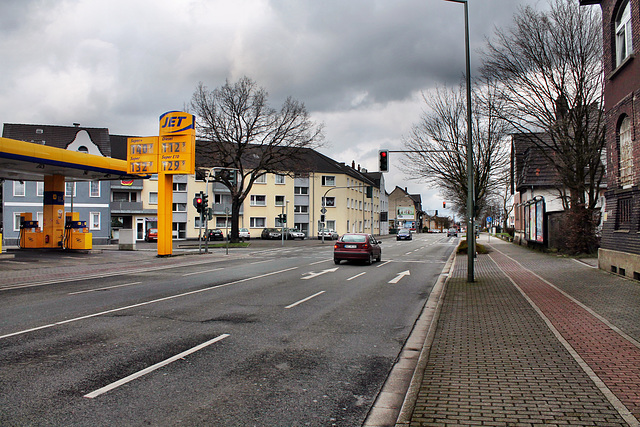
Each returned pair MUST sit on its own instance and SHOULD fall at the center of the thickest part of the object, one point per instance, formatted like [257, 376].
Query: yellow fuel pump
[76, 234]
[31, 235]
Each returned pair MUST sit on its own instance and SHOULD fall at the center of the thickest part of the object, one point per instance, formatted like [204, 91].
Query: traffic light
[284, 218]
[198, 202]
[383, 160]
[444, 205]
[436, 212]
[205, 201]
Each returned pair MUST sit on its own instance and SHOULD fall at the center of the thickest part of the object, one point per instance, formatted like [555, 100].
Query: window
[257, 222]
[18, 188]
[180, 186]
[94, 189]
[624, 46]
[221, 222]
[262, 179]
[329, 181]
[279, 179]
[279, 200]
[39, 188]
[300, 209]
[125, 196]
[217, 199]
[179, 207]
[623, 220]
[626, 153]
[300, 190]
[258, 200]
[94, 221]
[153, 198]
[69, 189]
[330, 224]
[16, 221]
[329, 202]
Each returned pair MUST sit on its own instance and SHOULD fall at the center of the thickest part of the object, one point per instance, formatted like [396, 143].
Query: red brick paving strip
[495, 362]
[614, 359]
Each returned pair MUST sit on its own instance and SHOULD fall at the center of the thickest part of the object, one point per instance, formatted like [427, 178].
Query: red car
[357, 247]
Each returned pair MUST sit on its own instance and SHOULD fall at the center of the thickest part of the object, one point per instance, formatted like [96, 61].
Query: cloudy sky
[360, 66]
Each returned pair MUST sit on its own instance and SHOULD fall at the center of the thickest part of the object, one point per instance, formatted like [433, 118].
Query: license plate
[350, 246]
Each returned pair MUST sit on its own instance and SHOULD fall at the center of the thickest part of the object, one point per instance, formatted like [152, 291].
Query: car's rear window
[354, 238]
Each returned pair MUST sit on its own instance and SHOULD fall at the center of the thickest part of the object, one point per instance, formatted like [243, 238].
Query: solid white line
[260, 262]
[320, 262]
[384, 263]
[305, 300]
[201, 272]
[357, 275]
[142, 304]
[152, 368]
[104, 289]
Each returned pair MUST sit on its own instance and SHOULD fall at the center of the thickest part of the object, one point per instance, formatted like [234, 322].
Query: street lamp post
[471, 232]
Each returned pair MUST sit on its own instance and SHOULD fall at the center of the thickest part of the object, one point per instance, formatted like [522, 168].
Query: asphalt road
[269, 336]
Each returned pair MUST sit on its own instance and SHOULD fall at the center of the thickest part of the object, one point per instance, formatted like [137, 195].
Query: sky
[359, 66]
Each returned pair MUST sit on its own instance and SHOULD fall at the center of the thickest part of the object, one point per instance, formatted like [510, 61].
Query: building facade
[620, 244]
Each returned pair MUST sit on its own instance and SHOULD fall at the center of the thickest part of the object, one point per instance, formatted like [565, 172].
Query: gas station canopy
[27, 161]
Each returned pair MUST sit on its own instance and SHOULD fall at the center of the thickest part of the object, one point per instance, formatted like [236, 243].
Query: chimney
[353, 164]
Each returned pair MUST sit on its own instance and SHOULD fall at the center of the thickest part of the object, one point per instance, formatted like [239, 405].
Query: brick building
[620, 244]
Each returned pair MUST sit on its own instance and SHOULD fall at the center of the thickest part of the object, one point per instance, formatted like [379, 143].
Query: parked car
[452, 232]
[327, 234]
[271, 233]
[244, 234]
[151, 235]
[357, 246]
[215, 234]
[404, 234]
[294, 233]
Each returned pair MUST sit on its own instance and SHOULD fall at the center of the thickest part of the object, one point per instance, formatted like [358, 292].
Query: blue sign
[488, 219]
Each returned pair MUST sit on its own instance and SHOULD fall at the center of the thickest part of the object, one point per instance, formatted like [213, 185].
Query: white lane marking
[104, 289]
[100, 275]
[384, 263]
[400, 276]
[357, 275]
[201, 272]
[260, 262]
[320, 262]
[142, 304]
[152, 368]
[305, 299]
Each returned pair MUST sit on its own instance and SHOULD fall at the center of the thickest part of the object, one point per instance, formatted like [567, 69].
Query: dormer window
[624, 45]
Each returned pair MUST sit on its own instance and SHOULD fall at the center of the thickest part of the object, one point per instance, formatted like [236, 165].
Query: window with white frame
[39, 188]
[179, 207]
[329, 202]
[180, 186]
[330, 224]
[328, 180]
[19, 188]
[257, 222]
[221, 222]
[94, 189]
[69, 189]
[153, 198]
[94, 220]
[262, 179]
[258, 200]
[624, 46]
[301, 209]
[279, 200]
[626, 153]
[16, 221]
[279, 178]
[300, 190]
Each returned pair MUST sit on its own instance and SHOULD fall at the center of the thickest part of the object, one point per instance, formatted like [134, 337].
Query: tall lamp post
[471, 232]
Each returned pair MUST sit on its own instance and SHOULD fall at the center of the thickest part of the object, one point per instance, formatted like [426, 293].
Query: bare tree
[438, 146]
[548, 72]
[249, 138]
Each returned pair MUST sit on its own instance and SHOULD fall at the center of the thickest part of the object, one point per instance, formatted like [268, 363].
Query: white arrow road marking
[312, 274]
[400, 276]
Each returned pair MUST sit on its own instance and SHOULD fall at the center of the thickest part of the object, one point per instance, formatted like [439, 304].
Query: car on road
[244, 234]
[215, 234]
[452, 232]
[357, 247]
[404, 234]
[151, 235]
[271, 233]
[327, 234]
[294, 233]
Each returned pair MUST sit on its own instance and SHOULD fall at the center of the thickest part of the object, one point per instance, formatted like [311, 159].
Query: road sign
[323, 210]
[488, 219]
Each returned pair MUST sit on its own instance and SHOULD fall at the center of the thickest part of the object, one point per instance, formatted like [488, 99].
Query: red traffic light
[198, 200]
[383, 154]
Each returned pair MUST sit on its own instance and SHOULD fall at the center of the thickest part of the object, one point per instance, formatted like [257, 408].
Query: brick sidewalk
[500, 358]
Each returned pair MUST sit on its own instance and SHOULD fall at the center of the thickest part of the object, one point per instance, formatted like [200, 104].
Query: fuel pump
[76, 235]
